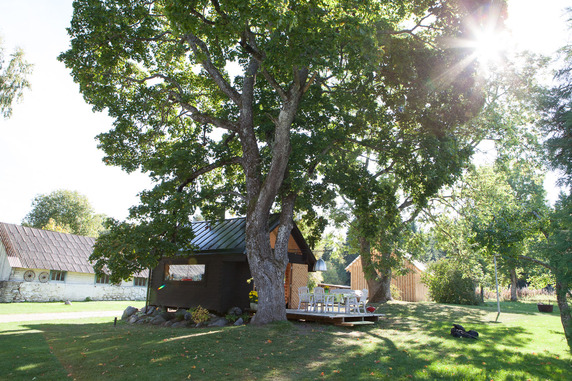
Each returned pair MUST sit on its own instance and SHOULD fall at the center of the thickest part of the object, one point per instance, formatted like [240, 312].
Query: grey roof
[32, 248]
[43, 249]
[224, 235]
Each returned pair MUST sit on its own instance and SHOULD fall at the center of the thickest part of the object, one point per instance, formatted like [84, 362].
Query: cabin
[216, 275]
[410, 287]
[43, 266]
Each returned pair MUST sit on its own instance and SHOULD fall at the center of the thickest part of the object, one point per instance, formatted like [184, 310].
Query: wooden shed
[409, 285]
[216, 275]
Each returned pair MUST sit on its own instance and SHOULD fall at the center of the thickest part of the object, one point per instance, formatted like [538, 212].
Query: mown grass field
[411, 342]
[51, 307]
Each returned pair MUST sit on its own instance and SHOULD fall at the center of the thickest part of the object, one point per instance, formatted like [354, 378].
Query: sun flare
[489, 46]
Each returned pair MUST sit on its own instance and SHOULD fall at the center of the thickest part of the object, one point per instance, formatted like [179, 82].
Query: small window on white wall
[140, 281]
[103, 279]
[57, 276]
[185, 273]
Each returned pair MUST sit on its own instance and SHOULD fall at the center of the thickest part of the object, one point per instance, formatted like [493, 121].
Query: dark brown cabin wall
[188, 294]
[234, 286]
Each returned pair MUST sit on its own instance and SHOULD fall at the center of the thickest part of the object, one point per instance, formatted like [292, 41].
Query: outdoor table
[340, 298]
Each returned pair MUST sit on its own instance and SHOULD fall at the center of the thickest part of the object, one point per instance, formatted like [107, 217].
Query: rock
[132, 319]
[144, 309]
[67, 303]
[150, 310]
[167, 315]
[158, 320]
[218, 322]
[168, 323]
[236, 311]
[180, 314]
[179, 324]
[188, 316]
[128, 312]
[240, 321]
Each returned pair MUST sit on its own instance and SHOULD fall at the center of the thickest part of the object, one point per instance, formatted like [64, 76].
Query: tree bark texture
[564, 308]
[378, 282]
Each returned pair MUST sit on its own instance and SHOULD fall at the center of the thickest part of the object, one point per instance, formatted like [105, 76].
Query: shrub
[199, 314]
[395, 293]
[448, 284]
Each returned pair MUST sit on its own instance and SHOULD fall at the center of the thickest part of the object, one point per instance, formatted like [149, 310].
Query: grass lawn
[34, 308]
[412, 342]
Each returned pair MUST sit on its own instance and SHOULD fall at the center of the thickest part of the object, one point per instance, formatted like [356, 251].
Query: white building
[41, 266]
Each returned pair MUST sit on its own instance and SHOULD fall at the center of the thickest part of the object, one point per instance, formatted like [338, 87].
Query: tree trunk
[565, 317]
[267, 269]
[513, 285]
[382, 288]
[378, 282]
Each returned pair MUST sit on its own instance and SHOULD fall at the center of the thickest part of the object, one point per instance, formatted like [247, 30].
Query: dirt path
[58, 316]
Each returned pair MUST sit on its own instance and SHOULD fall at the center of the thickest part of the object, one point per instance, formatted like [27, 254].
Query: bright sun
[489, 46]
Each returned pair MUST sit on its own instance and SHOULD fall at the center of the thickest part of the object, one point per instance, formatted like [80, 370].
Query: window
[140, 281]
[185, 273]
[57, 276]
[103, 279]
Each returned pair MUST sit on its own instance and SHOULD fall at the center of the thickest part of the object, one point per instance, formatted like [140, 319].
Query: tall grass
[523, 294]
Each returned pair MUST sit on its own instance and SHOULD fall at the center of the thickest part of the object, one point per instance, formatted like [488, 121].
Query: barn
[216, 275]
[409, 285]
[42, 266]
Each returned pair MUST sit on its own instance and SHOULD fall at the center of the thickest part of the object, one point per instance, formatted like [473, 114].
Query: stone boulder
[240, 321]
[167, 315]
[236, 311]
[180, 314]
[128, 312]
[218, 322]
[158, 320]
[179, 324]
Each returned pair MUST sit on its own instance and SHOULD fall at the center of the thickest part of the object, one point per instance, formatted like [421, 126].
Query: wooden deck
[343, 319]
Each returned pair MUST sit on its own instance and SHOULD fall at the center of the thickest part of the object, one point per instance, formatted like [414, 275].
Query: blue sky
[48, 144]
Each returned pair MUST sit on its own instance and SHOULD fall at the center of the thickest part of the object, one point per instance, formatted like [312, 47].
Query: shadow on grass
[414, 342]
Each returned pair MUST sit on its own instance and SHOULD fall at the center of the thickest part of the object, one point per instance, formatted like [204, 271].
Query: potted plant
[253, 298]
[545, 307]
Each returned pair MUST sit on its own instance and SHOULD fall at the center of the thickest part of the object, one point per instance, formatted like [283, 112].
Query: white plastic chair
[319, 298]
[304, 297]
[332, 303]
[353, 302]
[362, 301]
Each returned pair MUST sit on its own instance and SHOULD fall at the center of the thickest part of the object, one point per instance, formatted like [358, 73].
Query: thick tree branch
[200, 117]
[200, 49]
[208, 168]
[538, 262]
[248, 43]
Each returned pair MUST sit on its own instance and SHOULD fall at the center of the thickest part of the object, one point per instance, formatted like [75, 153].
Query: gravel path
[58, 315]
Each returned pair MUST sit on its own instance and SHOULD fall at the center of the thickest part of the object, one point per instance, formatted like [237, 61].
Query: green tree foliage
[238, 105]
[491, 211]
[64, 211]
[556, 252]
[13, 79]
[448, 283]
[557, 123]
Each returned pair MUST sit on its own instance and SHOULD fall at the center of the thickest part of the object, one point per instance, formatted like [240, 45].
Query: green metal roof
[229, 237]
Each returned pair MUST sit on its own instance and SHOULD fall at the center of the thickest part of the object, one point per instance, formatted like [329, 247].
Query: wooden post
[497, 282]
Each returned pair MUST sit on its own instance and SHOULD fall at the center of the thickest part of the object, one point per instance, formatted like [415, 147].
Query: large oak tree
[236, 104]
